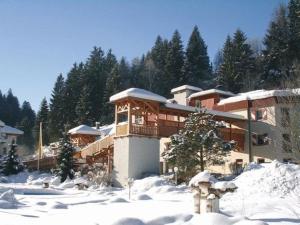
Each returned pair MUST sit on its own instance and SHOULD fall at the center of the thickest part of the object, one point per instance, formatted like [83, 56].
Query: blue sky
[40, 39]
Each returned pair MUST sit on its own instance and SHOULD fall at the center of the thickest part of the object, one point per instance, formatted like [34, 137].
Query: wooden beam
[129, 118]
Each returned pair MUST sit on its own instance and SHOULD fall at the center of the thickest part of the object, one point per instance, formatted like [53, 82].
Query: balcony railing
[144, 130]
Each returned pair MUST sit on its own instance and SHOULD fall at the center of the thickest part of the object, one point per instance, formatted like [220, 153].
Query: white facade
[134, 157]
[7, 136]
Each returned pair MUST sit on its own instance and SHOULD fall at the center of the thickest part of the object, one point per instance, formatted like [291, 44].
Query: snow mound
[129, 221]
[8, 200]
[250, 222]
[3, 180]
[8, 196]
[276, 179]
[204, 176]
[143, 197]
[223, 185]
[55, 181]
[148, 183]
[118, 200]
[59, 205]
[41, 203]
[220, 219]
[68, 183]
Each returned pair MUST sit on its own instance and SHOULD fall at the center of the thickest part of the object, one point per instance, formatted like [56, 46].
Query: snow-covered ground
[268, 193]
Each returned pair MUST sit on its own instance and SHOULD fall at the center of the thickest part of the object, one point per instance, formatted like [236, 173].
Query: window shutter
[254, 139]
[265, 114]
[253, 116]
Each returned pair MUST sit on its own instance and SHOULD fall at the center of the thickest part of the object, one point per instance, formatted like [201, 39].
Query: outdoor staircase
[97, 146]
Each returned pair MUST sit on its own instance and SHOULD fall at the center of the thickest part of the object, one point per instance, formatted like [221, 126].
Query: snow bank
[276, 179]
[68, 183]
[8, 200]
[148, 183]
[223, 185]
[204, 176]
[129, 221]
[143, 197]
[220, 219]
[118, 200]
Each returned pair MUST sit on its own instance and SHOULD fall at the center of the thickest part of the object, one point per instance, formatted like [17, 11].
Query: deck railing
[121, 129]
[97, 146]
[144, 130]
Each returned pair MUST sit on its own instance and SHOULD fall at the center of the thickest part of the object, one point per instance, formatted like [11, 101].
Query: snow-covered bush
[96, 174]
[65, 159]
[197, 146]
[11, 163]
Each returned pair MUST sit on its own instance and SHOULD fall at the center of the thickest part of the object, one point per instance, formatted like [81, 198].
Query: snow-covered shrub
[96, 174]
[197, 146]
[11, 163]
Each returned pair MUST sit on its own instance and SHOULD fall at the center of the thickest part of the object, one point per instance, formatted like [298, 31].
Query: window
[260, 160]
[258, 114]
[286, 143]
[260, 139]
[285, 117]
[198, 103]
[138, 119]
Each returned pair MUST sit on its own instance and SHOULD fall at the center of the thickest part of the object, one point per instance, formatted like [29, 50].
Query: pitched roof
[209, 111]
[185, 87]
[11, 130]
[260, 94]
[84, 129]
[211, 91]
[138, 93]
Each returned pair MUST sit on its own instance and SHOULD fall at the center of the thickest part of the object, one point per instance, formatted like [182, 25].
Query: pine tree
[11, 164]
[26, 124]
[11, 114]
[197, 67]
[42, 117]
[57, 110]
[276, 54]
[65, 159]
[237, 69]
[84, 107]
[73, 85]
[95, 79]
[154, 72]
[294, 29]
[174, 65]
[197, 145]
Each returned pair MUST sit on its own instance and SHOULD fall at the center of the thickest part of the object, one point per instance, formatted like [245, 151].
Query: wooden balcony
[121, 129]
[165, 128]
[235, 134]
[144, 130]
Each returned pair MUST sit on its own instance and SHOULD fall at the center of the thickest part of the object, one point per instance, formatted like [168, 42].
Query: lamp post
[176, 172]
[130, 183]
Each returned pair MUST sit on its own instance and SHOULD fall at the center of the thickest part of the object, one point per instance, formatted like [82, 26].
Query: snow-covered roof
[204, 176]
[138, 93]
[11, 130]
[260, 94]
[185, 87]
[84, 129]
[107, 129]
[211, 91]
[209, 111]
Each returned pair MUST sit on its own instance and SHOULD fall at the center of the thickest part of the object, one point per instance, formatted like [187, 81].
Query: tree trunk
[201, 160]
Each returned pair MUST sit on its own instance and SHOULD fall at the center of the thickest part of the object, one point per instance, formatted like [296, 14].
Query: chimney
[97, 125]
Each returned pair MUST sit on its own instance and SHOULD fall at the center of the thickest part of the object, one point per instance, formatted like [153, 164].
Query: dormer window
[197, 103]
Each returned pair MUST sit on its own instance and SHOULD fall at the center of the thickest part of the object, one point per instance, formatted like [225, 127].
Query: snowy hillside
[266, 194]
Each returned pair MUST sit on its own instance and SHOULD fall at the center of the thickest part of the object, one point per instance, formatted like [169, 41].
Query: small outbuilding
[83, 135]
